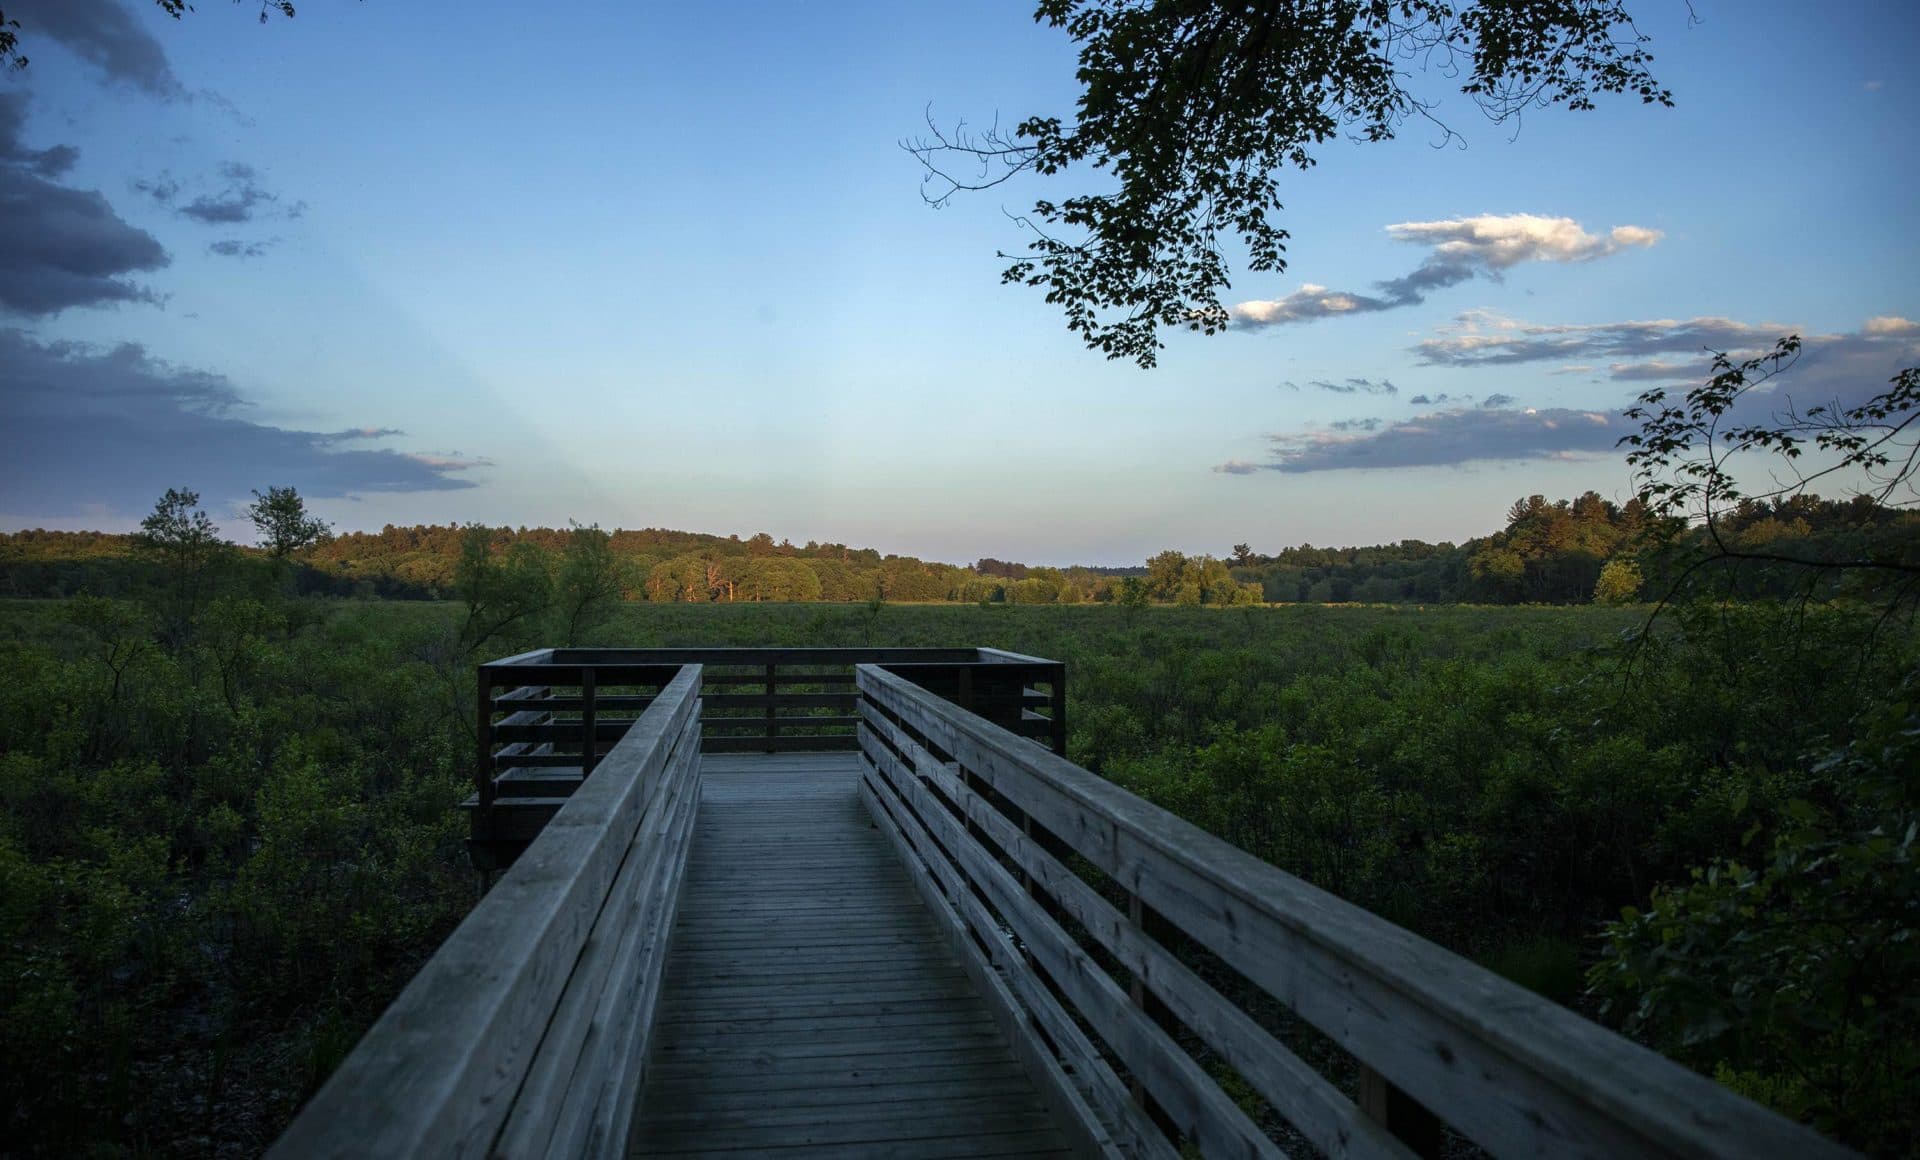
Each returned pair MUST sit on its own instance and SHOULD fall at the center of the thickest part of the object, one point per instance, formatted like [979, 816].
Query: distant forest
[1550, 552]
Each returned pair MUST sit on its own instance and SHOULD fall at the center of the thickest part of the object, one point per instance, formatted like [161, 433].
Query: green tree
[501, 592]
[1619, 583]
[284, 527]
[183, 540]
[1165, 572]
[589, 582]
[1132, 595]
[1193, 109]
[780, 578]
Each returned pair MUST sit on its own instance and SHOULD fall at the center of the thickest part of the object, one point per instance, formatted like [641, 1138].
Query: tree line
[1587, 549]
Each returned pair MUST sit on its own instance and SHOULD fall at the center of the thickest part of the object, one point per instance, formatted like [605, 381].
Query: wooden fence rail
[526, 1032]
[1086, 909]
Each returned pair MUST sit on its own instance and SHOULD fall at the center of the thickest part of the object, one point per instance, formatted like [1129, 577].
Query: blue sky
[666, 265]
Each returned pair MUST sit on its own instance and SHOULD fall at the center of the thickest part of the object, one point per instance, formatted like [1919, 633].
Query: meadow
[221, 853]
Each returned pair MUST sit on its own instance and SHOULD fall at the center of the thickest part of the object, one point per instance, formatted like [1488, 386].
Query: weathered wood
[803, 953]
[599, 1113]
[438, 1072]
[1519, 1075]
[1085, 1091]
[1204, 1113]
[987, 1144]
[613, 956]
[1305, 1098]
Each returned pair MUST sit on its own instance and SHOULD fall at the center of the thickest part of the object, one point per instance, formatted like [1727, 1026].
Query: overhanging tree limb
[1191, 108]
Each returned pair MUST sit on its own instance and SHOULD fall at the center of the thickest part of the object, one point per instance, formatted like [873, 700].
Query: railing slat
[1203, 1112]
[1518, 1074]
[1303, 1096]
[1105, 1107]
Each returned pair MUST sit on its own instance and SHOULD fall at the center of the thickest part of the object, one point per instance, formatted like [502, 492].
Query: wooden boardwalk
[952, 942]
[810, 1006]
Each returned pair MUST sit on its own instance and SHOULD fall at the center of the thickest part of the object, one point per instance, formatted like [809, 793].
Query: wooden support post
[483, 752]
[773, 721]
[1057, 704]
[1396, 1111]
[589, 741]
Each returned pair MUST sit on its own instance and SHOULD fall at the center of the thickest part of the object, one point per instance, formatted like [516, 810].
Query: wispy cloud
[1833, 369]
[240, 248]
[1445, 438]
[240, 197]
[60, 247]
[1482, 339]
[1355, 386]
[1459, 249]
[142, 425]
[1651, 371]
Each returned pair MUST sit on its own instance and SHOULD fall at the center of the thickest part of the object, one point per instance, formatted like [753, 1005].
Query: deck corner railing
[546, 717]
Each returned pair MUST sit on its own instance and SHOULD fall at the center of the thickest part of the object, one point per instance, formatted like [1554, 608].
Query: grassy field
[221, 856]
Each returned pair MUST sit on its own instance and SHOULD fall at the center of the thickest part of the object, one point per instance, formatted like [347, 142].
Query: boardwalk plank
[809, 1004]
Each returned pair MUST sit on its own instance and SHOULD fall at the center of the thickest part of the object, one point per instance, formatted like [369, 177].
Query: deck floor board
[809, 1004]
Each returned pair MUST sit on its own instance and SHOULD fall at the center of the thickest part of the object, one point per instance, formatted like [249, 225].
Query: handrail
[992, 822]
[526, 1031]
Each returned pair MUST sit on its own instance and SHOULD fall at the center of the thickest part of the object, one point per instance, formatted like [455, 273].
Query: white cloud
[1500, 241]
[1889, 326]
[1460, 249]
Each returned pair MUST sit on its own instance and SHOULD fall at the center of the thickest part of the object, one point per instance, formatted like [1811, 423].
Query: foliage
[215, 877]
[1687, 453]
[209, 853]
[589, 583]
[1195, 109]
[284, 526]
[1618, 583]
[1797, 977]
[182, 540]
[500, 591]
[1548, 552]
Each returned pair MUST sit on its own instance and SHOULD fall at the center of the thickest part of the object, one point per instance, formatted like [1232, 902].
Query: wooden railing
[1105, 929]
[526, 1032]
[538, 710]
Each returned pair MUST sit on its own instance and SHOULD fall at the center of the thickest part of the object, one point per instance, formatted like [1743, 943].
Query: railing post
[773, 720]
[1399, 1113]
[1057, 703]
[483, 736]
[589, 741]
